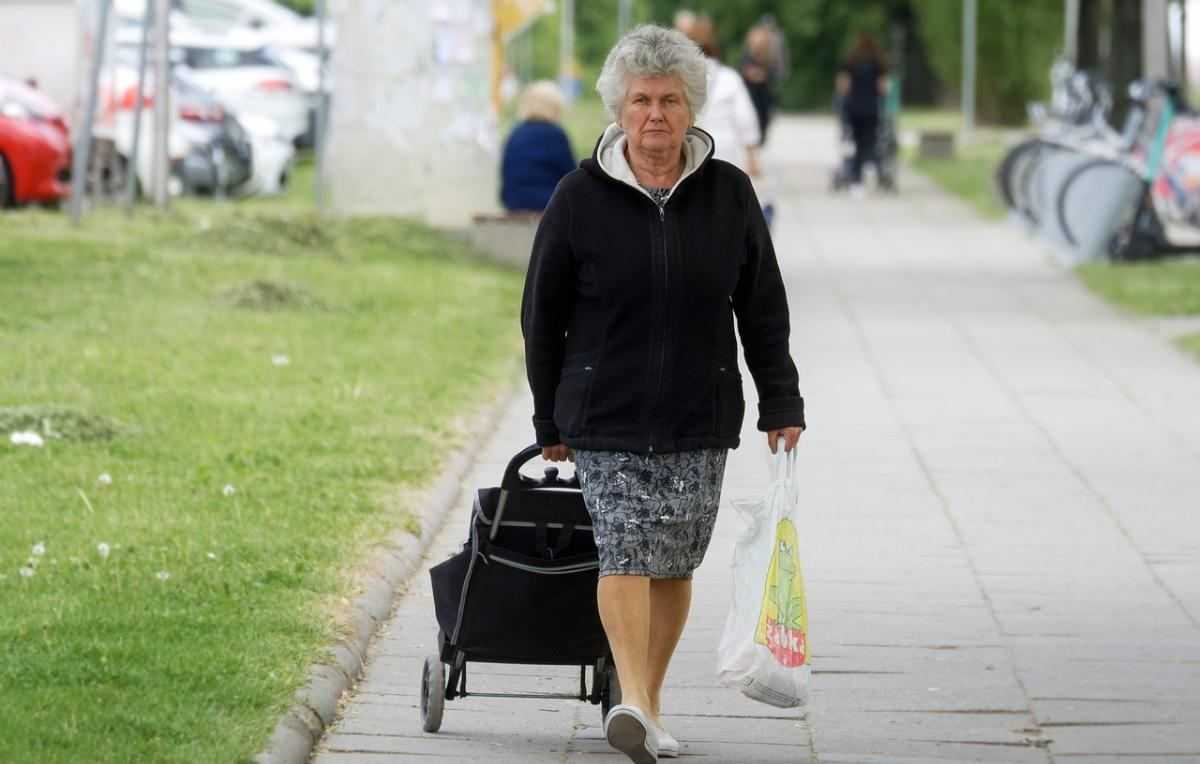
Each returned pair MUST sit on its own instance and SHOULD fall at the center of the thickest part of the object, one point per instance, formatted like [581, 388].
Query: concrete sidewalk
[1002, 540]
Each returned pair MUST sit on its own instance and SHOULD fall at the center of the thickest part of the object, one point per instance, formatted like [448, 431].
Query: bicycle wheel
[1084, 189]
[1026, 177]
[1005, 173]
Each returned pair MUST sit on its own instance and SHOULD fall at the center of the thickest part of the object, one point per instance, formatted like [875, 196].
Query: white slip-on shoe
[630, 732]
[668, 746]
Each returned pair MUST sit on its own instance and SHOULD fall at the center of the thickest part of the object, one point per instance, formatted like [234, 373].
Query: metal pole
[131, 164]
[162, 99]
[970, 21]
[624, 11]
[1184, 76]
[1156, 64]
[83, 140]
[566, 48]
[1071, 31]
[322, 109]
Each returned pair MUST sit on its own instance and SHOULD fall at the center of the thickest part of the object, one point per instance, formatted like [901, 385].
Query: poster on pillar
[413, 130]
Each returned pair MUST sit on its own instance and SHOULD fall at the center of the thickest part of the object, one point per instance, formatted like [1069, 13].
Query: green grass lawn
[584, 120]
[1191, 343]
[261, 391]
[970, 175]
[1168, 288]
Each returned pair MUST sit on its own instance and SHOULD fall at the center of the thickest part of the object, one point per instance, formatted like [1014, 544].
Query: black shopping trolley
[522, 590]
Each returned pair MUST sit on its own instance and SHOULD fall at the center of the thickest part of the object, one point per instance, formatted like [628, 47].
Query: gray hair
[653, 51]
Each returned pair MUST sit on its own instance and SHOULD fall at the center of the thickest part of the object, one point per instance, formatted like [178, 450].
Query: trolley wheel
[611, 694]
[433, 693]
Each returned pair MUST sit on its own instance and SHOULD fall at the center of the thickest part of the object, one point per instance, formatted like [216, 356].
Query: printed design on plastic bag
[783, 619]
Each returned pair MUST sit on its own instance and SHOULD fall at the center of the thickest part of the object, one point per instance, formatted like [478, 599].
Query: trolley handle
[515, 481]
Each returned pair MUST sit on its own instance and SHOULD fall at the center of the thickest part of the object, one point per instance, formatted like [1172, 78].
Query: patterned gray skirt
[653, 514]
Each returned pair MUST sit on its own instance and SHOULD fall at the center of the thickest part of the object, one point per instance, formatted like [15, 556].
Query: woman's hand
[790, 435]
[558, 453]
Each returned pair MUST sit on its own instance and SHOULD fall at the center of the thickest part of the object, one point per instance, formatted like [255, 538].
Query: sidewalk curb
[316, 707]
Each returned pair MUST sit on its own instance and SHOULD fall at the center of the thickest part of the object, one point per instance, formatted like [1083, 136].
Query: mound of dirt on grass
[272, 235]
[58, 423]
[271, 295]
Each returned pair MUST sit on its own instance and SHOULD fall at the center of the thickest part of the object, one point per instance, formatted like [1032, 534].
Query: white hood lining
[610, 155]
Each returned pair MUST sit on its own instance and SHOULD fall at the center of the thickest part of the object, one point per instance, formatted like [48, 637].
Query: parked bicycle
[1099, 192]
[1167, 169]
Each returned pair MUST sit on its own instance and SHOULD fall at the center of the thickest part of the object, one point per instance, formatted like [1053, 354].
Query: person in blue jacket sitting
[537, 153]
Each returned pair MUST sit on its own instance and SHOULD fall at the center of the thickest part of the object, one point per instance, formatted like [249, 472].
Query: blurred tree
[300, 6]
[1017, 43]
[1091, 14]
[1124, 64]
[1018, 40]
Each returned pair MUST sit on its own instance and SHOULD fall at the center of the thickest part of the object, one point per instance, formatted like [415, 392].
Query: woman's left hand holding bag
[790, 435]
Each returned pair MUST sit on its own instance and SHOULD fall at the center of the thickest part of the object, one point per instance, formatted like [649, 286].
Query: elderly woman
[537, 153]
[643, 258]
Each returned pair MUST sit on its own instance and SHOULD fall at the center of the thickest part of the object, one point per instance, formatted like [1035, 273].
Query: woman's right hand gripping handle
[558, 453]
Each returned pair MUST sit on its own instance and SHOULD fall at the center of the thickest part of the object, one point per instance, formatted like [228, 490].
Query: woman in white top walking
[729, 115]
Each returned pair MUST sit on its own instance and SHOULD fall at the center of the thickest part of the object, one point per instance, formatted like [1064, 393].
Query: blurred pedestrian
[763, 66]
[729, 115]
[537, 153]
[861, 83]
[684, 20]
[650, 251]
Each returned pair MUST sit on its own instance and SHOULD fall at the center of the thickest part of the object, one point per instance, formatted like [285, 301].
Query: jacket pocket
[570, 400]
[730, 404]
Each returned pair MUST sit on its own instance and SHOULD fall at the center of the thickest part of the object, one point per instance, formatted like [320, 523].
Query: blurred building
[412, 129]
[39, 42]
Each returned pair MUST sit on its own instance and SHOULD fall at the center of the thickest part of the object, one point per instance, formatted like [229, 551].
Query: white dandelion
[162, 575]
[39, 549]
[211, 555]
[27, 438]
[280, 360]
[103, 549]
[228, 490]
[27, 572]
[104, 479]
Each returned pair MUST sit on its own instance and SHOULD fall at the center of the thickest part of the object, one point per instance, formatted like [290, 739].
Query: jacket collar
[609, 157]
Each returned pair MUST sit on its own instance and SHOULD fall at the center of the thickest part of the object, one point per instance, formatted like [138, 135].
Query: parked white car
[243, 74]
[208, 150]
[274, 157]
[291, 39]
[279, 25]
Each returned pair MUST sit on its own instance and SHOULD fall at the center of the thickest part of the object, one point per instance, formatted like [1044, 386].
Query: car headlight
[15, 110]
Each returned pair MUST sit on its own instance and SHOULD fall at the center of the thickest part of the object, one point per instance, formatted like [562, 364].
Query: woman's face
[655, 115]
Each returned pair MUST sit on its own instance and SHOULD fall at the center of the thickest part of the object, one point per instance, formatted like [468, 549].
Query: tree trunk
[1125, 53]
[1088, 46]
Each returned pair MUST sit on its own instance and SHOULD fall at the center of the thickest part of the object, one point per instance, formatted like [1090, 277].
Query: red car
[35, 147]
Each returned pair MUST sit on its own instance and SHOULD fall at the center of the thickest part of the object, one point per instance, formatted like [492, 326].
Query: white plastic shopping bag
[764, 648]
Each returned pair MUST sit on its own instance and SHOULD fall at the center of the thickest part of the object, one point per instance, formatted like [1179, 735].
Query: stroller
[887, 144]
[521, 590]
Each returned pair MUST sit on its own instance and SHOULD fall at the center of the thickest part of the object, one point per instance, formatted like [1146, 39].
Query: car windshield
[227, 58]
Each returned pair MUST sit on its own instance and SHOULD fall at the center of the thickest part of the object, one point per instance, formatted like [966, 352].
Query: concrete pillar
[412, 130]
[1155, 52]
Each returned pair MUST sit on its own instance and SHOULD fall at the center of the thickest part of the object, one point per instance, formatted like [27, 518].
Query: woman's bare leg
[670, 600]
[625, 612]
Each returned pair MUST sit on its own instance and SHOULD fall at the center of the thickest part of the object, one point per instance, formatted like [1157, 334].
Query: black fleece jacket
[628, 314]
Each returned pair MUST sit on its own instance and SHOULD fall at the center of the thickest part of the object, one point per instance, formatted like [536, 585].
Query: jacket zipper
[662, 351]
